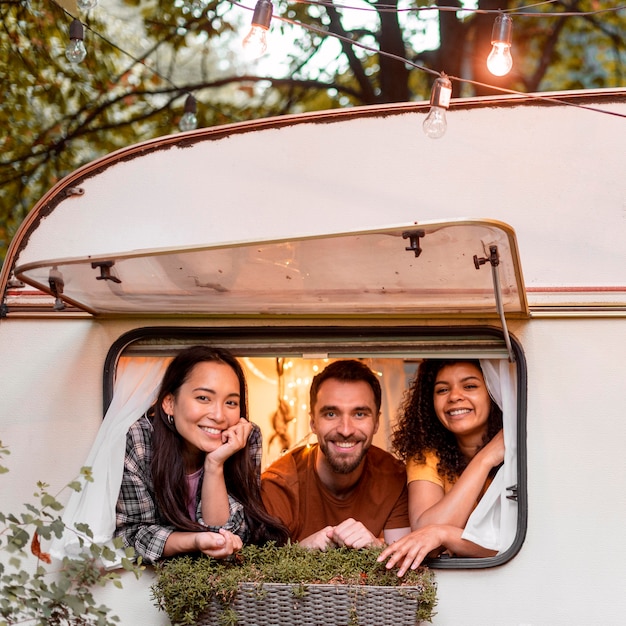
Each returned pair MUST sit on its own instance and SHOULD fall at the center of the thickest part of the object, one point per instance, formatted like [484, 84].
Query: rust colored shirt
[293, 492]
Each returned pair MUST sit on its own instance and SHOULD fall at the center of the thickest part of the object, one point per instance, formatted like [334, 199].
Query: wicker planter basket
[277, 604]
[280, 586]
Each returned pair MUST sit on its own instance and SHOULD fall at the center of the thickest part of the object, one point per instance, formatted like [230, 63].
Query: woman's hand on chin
[234, 439]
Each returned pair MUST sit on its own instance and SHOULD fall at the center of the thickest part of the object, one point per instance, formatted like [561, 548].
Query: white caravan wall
[570, 569]
[543, 170]
[555, 175]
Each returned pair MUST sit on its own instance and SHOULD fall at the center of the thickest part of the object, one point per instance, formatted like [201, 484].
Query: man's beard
[342, 465]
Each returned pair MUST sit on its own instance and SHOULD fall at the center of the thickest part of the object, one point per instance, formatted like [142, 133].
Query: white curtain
[135, 389]
[493, 523]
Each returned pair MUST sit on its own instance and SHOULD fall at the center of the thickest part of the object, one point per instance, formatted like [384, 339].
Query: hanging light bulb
[499, 61]
[75, 51]
[435, 124]
[189, 121]
[86, 5]
[255, 42]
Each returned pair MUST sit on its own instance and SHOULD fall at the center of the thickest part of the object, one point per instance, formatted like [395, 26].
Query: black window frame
[362, 341]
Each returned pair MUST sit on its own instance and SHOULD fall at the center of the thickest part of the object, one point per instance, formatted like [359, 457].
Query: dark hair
[347, 370]
[240, 473]
[418, 429]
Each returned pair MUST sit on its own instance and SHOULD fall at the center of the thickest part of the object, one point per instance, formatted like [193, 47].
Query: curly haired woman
[449, 433]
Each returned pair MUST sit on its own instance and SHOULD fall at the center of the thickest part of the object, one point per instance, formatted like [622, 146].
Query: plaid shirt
[138, 520]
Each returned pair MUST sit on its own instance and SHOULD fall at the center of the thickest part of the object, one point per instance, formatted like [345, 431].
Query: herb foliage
[186, 586]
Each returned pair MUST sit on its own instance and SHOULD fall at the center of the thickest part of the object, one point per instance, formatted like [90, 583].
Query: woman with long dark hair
[449, 434]
[192, 465]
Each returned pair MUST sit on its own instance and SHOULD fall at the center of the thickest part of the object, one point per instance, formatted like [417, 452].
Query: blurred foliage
[144, 57]
[37, 591]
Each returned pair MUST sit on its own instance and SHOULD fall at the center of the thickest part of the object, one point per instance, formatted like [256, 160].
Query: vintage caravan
[349, 233]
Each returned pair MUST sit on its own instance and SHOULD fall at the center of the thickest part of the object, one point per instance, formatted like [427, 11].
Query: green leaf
[51, 502]
[84, 529]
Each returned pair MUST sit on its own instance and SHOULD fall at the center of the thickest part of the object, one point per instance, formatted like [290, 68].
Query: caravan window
[280, 363]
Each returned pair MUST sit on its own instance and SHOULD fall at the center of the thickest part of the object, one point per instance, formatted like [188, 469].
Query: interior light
[435, 124]
[500, 61]
[255, 42]
[75, 51]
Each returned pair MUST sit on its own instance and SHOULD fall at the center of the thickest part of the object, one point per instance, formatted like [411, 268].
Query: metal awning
[418, 269]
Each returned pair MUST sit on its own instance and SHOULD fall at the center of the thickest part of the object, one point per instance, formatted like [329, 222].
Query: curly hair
[418, 429]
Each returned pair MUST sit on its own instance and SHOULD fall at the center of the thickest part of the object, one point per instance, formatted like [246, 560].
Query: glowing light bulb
[75, 50]
[435, 124]
[255, 42]
[500, 61]
[86, 5]
[189, 121]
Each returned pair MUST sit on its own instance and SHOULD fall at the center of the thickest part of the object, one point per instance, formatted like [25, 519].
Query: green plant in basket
[188, 586]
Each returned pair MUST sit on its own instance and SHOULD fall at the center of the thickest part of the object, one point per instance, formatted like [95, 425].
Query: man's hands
[349, 534]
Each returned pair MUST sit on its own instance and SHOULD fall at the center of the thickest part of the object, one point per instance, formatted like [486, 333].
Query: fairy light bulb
[189, 121]
[255, 42]
[435, 124]
[86, 5]
[75, 51]
[500, 61]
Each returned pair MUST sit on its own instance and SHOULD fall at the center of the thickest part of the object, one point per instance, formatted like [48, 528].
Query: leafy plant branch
[62, 594]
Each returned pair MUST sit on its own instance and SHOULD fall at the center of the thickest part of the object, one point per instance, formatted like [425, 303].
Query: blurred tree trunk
[394, 76]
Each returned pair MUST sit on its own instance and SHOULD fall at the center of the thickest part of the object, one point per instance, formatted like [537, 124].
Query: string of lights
[91, 4]
[76, 53]
[519, 12]
[499, 61]
[440, 98]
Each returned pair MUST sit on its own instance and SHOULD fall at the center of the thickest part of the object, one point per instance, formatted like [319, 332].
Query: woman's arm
[215, 503]
[136, 518]
[409, 551]
[429, 505]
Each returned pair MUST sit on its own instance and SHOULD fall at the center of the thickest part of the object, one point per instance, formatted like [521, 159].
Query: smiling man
[342, 491]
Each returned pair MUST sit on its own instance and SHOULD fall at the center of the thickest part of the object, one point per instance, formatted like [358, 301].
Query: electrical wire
[428, 70]
[134, 59]
[523, 11]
